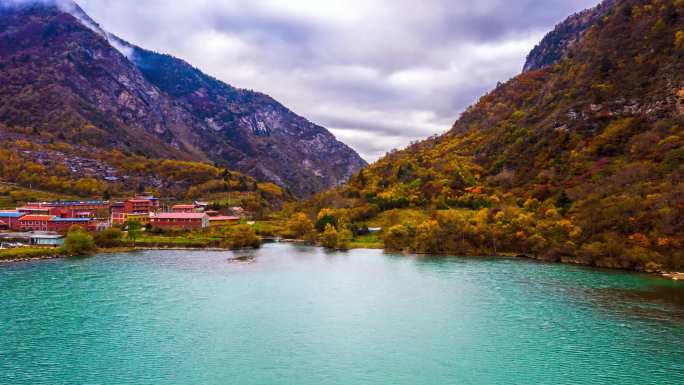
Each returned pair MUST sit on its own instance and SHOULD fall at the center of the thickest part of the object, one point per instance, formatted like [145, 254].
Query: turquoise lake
[290, 314]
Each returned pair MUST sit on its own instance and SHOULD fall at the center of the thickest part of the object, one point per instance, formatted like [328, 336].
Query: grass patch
[270, 228]
[30, 253]
[390, 218]
[368, 241]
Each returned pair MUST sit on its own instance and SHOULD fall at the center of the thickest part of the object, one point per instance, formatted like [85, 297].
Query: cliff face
[63, 75]
[558, 42]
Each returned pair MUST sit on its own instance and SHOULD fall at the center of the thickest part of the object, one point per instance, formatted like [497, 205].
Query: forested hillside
[71, 171]
[581, 160]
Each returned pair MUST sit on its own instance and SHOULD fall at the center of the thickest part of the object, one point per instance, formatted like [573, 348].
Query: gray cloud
[378, 73]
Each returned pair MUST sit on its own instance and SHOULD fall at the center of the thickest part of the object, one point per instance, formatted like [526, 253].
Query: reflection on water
[661, 302]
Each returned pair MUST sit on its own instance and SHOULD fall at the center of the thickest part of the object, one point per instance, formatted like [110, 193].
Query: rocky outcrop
[557, 43]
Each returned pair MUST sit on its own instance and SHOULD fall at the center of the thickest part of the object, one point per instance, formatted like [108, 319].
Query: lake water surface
[291, 314]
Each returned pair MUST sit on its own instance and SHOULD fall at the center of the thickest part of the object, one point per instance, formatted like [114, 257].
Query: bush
[397, 238]
[344, 238]
[78, 242]
[324, 221]
[329, 237]
[108, 238]
[299, 227]
[428, 238]
[240, 237]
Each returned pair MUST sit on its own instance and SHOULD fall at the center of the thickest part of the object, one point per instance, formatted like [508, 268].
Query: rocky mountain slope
[581, 161]
[557, 43]
[65, 78]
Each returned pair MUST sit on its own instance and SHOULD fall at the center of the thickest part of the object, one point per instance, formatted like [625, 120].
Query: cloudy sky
[377, 73]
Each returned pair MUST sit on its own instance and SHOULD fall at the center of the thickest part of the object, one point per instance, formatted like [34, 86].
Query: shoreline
[114, 250]
[674, 276]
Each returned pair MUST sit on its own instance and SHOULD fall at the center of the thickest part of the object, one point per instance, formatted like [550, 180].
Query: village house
[11, 219]
[137, 209]
[3, 225]
[138, 206]
[184, 209]
[35, 222]
[34, 210]
[237, 211]
[181, 221]
[76, 209]
[202, 205]
[72, 205]
[62, 225]
[154, 201]
[141, 218]
[118, 214]
[218, 221]
[47, 240]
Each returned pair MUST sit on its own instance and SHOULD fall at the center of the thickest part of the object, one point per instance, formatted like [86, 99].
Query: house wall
[63, 227]
[12, 223]
[33, 225]
[187, 224]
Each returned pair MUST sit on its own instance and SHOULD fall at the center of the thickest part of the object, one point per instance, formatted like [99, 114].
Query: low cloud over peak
[378, 73]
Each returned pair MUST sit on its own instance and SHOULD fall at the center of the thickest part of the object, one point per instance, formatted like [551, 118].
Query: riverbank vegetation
[79, 242]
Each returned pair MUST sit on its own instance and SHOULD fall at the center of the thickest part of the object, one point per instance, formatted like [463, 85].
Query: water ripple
[297, 315]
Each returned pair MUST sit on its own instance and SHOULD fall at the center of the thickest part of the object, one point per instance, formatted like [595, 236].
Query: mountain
[66, 78]
[557, 43]
[578, 159]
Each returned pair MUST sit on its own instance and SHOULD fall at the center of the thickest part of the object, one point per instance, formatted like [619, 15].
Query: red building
[62, 225]
[154, 202]
[11, 219]
[137, 206]
[33, 222]
[184, 209]
[118, 213]
[68, 209]
[140, 205]
[219, 221]
[133, 209]
[184, 221]
[30, 210]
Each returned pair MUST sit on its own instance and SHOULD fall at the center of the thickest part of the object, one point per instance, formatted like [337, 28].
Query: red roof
[183, 207]
[228, 218]
[179, 216]
[139, 201]
[36, 218]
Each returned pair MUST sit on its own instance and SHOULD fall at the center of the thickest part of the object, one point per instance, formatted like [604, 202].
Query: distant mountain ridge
[63, 75]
